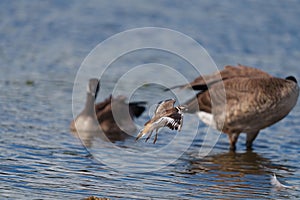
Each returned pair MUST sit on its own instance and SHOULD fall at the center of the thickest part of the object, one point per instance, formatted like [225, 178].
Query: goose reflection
[232, 164]
[88, 137]
[239, 175]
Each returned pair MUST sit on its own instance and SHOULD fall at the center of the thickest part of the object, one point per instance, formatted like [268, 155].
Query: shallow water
[41, 48]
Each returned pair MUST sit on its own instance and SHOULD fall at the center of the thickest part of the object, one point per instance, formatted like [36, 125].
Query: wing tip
[140, 135]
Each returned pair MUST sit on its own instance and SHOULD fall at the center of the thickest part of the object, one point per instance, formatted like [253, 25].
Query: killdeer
[165, 114]
[101, 114]
[254, 100]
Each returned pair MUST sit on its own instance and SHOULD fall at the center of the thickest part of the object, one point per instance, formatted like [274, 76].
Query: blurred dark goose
[165, 114]
[114, 115]
[254, 101]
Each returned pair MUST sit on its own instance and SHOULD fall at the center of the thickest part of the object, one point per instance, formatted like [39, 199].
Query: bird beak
[183, 107]
[141, 134]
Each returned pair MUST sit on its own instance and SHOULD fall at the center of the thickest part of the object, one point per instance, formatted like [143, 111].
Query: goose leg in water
[233, 138]
[250, 138]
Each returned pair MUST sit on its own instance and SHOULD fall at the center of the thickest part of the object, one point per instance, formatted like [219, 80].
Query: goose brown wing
[100, 106]
[114, 114]
[203, 82]
[251, 103]
[219, 94]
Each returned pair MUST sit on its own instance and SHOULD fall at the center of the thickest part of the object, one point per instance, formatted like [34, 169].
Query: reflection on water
[234, 175]
[87, 137]
[41, 151]
[42, 46]
[231, 163]
[90, 138]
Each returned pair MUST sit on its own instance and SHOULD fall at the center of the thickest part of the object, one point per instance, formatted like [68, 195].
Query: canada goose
[165, 114]
[101, 113]
[254, 100]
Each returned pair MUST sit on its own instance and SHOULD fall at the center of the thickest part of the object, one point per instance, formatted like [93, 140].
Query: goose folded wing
[101, 106]
[204, 82]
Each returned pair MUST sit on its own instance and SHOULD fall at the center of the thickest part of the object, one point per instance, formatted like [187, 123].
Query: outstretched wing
[163, 106]
[176, 122]
[173, 122]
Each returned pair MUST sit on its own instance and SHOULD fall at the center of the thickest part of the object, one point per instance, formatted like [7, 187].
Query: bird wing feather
[163, 106]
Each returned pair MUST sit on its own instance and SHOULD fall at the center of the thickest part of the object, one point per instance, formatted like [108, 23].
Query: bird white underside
[207, 118]
[162, 122]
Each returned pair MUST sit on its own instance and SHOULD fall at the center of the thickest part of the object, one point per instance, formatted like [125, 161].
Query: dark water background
[42, 44]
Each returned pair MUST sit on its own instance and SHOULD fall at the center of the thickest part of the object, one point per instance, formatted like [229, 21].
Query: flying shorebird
[101, 114]
[254, 101]
[165, 114]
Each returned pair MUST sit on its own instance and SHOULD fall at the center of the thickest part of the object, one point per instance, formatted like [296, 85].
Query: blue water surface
[42, 45]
